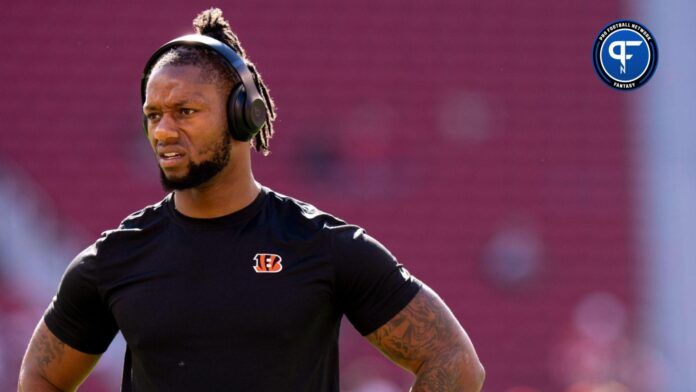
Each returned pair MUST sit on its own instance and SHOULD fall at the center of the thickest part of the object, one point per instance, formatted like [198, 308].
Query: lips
[170, 156]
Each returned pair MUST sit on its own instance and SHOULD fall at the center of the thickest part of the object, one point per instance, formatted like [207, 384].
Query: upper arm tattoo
[422, 329]
[427, 339]
[45, 349]
[48, 360]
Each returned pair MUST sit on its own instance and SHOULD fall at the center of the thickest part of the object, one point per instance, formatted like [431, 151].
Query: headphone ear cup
[235, 115]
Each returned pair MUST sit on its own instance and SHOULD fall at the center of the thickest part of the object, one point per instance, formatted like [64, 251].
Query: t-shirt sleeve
[372, 286]
[77, 315]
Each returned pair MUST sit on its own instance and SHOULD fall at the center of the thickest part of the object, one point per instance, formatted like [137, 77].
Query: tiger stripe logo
[268, 263]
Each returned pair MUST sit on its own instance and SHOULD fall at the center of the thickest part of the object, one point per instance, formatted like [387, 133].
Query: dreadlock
[211, 23]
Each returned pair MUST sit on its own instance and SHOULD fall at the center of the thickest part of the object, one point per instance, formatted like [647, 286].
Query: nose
[165, 129]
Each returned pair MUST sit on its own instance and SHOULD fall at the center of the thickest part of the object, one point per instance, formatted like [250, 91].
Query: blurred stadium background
[472, 138]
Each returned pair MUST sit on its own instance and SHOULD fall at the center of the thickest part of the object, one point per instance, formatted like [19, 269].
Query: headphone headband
[248, 100]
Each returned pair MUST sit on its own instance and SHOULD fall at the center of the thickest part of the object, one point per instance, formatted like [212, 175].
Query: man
[226, 284]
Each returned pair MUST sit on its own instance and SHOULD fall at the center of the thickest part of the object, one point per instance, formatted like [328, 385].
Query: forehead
[178, 82]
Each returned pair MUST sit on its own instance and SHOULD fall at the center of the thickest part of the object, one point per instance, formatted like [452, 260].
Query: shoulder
[298, 215]
[145, 217]
[301, 217]
[137, 226]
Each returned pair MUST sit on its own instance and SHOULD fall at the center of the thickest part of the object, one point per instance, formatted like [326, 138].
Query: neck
[222, 196]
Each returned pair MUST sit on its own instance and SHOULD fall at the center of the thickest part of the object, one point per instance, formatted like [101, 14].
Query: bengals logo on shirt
[267, 263]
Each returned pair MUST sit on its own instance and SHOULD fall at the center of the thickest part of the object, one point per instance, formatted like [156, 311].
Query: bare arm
[426, 339]
[51, 365]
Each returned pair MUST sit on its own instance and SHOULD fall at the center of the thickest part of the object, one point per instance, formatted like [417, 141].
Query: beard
[200, 173]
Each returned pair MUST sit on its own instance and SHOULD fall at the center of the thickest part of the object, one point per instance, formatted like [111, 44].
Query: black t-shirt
[251, 301]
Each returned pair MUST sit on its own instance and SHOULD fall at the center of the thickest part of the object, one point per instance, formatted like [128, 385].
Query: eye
[152, 117]
[187, 111]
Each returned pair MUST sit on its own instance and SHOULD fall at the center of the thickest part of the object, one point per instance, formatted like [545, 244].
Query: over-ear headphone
[246, 109]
